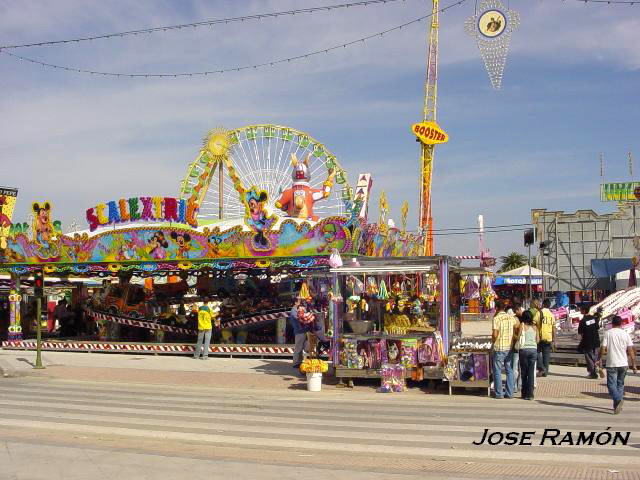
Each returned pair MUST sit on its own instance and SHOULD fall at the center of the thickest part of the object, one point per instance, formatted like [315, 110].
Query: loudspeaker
[529, 237]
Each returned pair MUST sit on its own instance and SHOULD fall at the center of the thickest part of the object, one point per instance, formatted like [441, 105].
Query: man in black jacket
[590, 340]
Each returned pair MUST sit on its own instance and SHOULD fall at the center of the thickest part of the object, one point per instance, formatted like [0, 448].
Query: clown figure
[298, 200]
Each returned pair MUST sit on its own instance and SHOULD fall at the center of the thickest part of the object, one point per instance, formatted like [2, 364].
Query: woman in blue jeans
[528, 354]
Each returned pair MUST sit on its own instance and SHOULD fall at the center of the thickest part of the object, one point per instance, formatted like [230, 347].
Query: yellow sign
[7, 203]
[429, 133]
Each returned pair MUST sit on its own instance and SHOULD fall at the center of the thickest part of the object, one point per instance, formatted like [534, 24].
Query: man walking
[204, 331]
[504, 326]
[590, 341]
[547, 337]
[618, 346]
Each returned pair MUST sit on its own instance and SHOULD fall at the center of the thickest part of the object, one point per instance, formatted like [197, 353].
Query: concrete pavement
[252, 373]
[61, 429]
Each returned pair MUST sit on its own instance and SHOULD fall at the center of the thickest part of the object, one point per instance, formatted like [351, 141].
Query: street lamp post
[544, 252]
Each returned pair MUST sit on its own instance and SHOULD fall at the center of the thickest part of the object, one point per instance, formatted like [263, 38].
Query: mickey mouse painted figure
[183, 240]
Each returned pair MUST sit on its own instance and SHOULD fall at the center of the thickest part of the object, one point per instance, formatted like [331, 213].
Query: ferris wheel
[260, 156]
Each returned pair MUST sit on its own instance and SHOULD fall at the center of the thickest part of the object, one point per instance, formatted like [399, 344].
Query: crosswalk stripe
[300, 444]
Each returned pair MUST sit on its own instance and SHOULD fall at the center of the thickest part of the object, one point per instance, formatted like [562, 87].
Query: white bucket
[314, 382]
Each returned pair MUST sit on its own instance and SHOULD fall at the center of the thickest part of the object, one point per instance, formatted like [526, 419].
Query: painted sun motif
[217, 142]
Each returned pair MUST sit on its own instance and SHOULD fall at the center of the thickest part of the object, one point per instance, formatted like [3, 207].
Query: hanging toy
[372, 288]
[364, 306]
[390, 305]
[352, 302]
[416, 308]
[382, 291]
[304, 292]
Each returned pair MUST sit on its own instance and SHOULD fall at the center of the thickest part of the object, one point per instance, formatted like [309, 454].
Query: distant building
[586, 248]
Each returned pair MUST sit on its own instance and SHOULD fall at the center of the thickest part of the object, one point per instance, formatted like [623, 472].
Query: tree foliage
[511, 261]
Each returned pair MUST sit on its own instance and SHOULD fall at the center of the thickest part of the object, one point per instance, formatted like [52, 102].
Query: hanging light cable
[206, 23]
[230, 69]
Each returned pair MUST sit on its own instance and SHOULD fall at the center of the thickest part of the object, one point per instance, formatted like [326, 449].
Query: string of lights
[271, 63]
[206, 23]
[610, 2]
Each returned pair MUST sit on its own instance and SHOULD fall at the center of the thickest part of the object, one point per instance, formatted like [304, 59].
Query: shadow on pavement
[580, 407]
[277, 367]
[628, 390]
[25, 360]
[567, 375]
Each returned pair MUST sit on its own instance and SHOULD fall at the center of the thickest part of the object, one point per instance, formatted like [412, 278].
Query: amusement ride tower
[428, 141]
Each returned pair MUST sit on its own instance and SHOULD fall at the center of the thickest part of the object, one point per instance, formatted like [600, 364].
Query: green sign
[619, 192]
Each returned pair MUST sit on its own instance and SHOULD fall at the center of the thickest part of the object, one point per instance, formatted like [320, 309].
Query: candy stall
[395, 319]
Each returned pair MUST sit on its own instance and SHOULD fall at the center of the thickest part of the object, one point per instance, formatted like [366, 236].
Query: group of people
[525, 337]
[618, 347]
[521, 338]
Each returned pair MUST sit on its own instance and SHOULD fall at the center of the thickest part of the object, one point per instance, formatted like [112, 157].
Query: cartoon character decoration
[5, 221]
[257, 218]
[183, 241]
[42, 226]
[157, 245]
[298, 200]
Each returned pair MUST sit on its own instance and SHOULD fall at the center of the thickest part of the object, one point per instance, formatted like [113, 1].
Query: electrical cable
[486, 228]
[205, 23]
[478, 232]
[610, 2]
[233, 69]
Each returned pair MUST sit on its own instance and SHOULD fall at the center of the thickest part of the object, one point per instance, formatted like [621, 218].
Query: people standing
[528, 353]
[299, 332]
[590, 341]
[618, 346]
[546, 335]
[504, 326]
[204, 331]
[535, 313]
[519, 311]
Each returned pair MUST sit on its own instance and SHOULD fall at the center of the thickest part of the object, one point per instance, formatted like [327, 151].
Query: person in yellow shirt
[204, 331]
[546, 331]
[504, 329]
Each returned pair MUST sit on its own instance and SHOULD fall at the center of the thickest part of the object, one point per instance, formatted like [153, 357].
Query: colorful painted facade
[253, 237]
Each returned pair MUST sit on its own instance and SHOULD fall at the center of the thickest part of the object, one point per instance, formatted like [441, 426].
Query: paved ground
[117, 416]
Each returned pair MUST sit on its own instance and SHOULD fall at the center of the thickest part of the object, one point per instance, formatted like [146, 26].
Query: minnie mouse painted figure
[156, 246]
[258, 219]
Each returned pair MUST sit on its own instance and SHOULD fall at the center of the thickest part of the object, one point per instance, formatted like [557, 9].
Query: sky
[570, 92]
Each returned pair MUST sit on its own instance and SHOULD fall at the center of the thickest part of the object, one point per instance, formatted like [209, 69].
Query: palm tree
[511, 261]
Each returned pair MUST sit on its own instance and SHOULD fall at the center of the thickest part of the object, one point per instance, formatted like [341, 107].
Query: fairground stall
[259, 207]
[401, 318]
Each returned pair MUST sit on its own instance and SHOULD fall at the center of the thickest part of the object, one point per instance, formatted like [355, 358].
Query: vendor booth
[401, 318]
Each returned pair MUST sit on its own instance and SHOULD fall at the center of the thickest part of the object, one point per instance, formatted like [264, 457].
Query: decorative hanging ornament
[492, 26]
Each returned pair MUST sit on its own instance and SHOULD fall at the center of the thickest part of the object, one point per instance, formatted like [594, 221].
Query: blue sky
[570, 91]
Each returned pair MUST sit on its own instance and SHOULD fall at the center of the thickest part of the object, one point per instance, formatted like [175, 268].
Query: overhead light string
[209, 23]
[230, 69]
